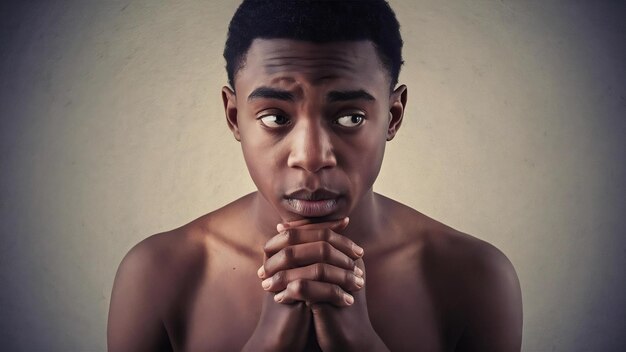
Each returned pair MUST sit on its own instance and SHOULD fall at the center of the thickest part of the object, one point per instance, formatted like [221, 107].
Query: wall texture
[111, 129]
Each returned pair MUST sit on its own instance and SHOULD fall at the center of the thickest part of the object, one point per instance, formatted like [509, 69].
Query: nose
[311, 148]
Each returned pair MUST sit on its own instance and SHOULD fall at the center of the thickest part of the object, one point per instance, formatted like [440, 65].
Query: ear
[397, 104]
[230, 109]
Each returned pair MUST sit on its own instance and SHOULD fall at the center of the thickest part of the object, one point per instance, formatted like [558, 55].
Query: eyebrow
[348, 95]
[270, 93]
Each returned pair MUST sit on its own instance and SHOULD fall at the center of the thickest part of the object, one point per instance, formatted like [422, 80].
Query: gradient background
[112, 129]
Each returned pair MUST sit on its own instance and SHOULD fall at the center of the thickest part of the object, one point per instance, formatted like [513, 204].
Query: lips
[319, 194]
[320, 202]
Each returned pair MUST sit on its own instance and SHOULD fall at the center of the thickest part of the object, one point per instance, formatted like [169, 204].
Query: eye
[350, 120]
[274, 121]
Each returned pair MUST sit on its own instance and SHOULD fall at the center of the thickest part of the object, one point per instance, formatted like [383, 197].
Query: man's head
[313, 117]
[317, 21]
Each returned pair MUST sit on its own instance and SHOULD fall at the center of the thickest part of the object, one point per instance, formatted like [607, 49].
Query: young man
[314, 260]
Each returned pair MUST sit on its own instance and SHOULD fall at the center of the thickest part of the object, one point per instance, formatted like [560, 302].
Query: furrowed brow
[270, 93]
[360, 94]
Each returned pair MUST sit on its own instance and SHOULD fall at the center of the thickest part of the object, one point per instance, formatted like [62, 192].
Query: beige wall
[112, 129]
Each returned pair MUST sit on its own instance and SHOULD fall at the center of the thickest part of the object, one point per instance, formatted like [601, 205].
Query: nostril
[312, 159]
[311, 148]
[312, 162]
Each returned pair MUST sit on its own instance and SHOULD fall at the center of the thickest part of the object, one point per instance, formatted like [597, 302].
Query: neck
[365, 219]
[264, 217]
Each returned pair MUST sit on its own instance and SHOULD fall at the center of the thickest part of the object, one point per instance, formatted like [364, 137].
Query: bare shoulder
[482, 284]
[475, 281]
[148, 281]
[451, 250]
[161, 258]
[158, 277]
[475, 261]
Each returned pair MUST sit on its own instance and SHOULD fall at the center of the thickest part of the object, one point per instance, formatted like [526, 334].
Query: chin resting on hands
[312, 263]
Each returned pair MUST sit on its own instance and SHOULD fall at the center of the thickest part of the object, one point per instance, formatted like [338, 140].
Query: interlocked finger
[313, 292]
[348, 280]
[292, 237]
[305, 254]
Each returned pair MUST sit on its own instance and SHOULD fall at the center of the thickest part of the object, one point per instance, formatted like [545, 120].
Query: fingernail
[261, 272]
[359, 281]
[357, 250]
[349, 299]
[279, 296]
[358, 271]
[267, 283]
[280, 228]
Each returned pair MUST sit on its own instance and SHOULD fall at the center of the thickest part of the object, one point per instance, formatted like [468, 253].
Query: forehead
[275, 61]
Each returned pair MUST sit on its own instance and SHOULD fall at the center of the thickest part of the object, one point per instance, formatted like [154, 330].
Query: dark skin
[284, 268]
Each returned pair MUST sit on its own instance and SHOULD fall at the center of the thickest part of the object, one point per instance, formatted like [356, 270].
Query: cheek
[365, 160]
[370, 166]
[256, 162]
[260, 155]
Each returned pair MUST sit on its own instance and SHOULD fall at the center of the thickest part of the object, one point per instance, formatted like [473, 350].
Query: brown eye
[274, 121]
[350, 120]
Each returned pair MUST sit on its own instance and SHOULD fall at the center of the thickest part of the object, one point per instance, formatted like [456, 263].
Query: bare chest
[220, 312]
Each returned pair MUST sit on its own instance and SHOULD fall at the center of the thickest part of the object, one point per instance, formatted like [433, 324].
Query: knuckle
[348, 243]
[327, 235]
[348, 277]
[298, 287]
[325, 251]
[350, 264]
[279, 278]
[319, 272]
[287, 254]
[337, 292]
[290, 236]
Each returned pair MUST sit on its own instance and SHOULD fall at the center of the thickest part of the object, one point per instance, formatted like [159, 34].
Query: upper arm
[135, 322]
[494, 315]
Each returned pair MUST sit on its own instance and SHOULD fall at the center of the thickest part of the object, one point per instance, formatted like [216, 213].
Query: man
[315, 260]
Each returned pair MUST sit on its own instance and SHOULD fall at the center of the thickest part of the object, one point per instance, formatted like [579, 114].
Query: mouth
[318, 203]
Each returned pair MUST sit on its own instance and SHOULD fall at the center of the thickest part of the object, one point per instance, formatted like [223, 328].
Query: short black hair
[318, 21]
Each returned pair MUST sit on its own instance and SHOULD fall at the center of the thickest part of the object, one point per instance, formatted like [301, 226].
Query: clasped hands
[311, 263]
[314, 275]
